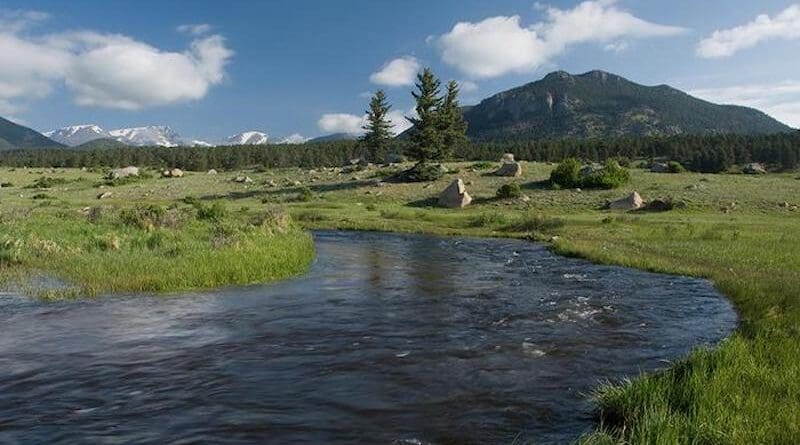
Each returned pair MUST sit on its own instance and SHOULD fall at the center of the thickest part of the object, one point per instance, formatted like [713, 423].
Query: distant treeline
[698, 153]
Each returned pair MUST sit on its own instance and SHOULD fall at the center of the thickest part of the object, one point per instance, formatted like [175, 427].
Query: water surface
[389, 339]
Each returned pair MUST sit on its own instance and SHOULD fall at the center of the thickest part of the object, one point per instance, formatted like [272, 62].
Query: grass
[734, 230]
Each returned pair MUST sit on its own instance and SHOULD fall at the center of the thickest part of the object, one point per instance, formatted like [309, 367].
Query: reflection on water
[390, 338]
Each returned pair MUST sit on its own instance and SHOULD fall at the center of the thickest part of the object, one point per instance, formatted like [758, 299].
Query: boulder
[590, 170]
[631, 202]
[125, 172]
[104, 195]
[507, 158]
[754, 168]
[512, 169]
[242, 179]
[212, 172]
[176, 173]
[455, 196]
[660, 205]
[659, 167]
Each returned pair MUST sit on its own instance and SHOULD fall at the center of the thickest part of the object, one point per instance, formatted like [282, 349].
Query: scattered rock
[754, 168]
[659, 167]
[104, 195]
[212, 172]
[125, 172]
[507, 158]
[631, 202]
[242, 179]
[590, 170]
[455, 195]
[510, 169]
[173, 173]
[660, 205]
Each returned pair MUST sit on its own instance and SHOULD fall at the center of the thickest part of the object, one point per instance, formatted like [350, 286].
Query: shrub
[46, 182]
[6, 185]
[424, 173]
[145, 217]
[511, 190]
[305, 195]
[488, 219]
[39, 196]
[535, 223]
[213, 212]
[273, 220]
[567, 174]
[483, 165]
[675, 167]
[611, 176]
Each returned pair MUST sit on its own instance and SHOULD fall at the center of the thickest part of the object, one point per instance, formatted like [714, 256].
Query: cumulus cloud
[500, 45]
[727, 42]
[341, 123]
[195, 29]
[104, 70]
[353, 124]
[780, 100]
[396, 73]
[467, 86]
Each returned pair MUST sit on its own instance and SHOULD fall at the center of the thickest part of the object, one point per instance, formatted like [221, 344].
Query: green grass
[735, 230]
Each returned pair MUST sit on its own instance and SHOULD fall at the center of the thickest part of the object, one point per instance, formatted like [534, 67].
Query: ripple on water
[389, 339]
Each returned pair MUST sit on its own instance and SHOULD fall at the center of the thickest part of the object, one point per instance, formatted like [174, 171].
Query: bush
[567, 174]
[305, 195]
[611, 176]
[535, 223]
[675, 167]
[423, 173]
[40, 196]
[484, 165]
[145, 217]
[511, 190]
[214, 212]
[46, 182]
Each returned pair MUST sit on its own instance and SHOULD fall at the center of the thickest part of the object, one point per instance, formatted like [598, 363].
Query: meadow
[201, 230]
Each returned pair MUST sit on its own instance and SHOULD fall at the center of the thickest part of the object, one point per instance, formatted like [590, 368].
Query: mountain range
[593, 104]
[601, 104]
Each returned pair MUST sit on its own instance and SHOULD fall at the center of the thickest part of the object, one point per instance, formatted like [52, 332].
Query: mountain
[76, 135]
[102, 143]
[601, 104]
[148, 136]
[13, 136]
[294, 139]
[247, 138]
[334, 137]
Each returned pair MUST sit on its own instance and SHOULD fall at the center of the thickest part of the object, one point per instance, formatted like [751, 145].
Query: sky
[211, 69]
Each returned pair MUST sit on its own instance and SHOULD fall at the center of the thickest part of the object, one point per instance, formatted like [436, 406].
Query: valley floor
[739, 231]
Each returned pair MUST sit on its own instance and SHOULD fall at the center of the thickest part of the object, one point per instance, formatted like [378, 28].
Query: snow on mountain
[77, 134]
[148, 136]
[294, 139]
[247, 138]
[197, 143]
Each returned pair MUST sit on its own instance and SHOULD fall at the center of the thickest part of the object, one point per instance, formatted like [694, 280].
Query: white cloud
[341, 123]
[780, 100]
[726, 42]
[103, 70]
[352, 124]
[501, 45]
[195, 29]
[396, 73]
[467, 86]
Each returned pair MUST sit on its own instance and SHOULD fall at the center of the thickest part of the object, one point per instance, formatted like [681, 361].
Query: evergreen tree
[426, 139]
[451, 122]
[378, 127]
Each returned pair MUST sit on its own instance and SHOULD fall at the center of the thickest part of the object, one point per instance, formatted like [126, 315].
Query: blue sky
[305, 67]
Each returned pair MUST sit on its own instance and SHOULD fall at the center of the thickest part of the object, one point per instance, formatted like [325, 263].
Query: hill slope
[14, 136]
[600, 104]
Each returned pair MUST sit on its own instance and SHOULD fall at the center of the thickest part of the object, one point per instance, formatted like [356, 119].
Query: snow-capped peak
[295, 138]
[77, 134]
[248, 138]
[147, 136]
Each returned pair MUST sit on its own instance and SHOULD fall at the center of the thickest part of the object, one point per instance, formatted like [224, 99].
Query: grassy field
[740, 231]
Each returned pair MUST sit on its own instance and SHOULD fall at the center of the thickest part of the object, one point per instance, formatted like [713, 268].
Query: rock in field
[511, 169]
[242, 179]
[631, 202]
[455, 196]
[507, 158]
[173, 173]
[118, 173]
[754, 168]
[104, 195]
[212, 172]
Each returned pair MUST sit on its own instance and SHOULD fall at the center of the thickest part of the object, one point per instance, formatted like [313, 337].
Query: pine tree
[451, 123]
[378, 126]
[426, 139]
